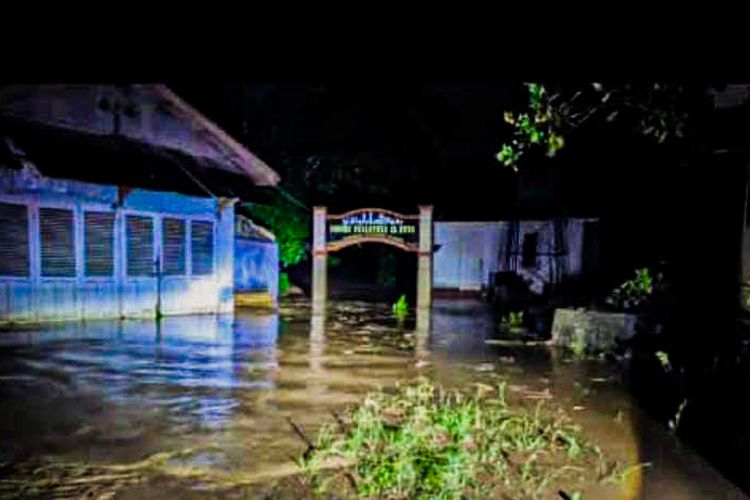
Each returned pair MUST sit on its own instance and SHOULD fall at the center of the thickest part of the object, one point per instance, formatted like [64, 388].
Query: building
[116, 202]
[256, 265]
[542, 252]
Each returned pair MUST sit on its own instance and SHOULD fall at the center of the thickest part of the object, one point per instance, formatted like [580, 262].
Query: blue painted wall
[37, 298]
[256, 266]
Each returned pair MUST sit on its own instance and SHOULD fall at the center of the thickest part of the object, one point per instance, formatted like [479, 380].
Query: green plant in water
[423, 441]
[578, 347]
[283, 283]
[401, 307]
[746, 295]
[512, 322]
[663, 358]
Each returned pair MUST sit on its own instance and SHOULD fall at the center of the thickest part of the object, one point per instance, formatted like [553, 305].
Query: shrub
[636, 292]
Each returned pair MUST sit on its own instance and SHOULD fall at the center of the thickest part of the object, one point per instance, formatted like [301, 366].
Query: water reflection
[317, 342]
[118, 391]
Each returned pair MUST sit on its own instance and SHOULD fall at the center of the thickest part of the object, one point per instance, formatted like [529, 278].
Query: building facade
[256, 264]
[101, 224]
[542, 252]
[75, 251]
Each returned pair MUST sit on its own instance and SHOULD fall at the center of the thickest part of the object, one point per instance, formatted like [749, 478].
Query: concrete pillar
[424, 268]
[224, 248]
[320, 268]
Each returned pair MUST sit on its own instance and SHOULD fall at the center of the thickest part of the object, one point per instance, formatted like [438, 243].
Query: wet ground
[220, 392]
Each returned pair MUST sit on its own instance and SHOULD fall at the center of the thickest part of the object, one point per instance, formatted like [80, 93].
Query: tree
[290, 223]
[661, 111]
[682, 121]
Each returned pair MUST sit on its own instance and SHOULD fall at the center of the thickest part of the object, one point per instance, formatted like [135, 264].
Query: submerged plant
[401, 307]
[512, 323]
[284, 284]
[663, 358]
[578, 345]
[423, 441]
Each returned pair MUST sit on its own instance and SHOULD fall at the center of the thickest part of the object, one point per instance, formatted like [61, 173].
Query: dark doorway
[372, 272]
[528, 250]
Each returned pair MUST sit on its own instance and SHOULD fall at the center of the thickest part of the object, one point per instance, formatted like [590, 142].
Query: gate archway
[411, 233]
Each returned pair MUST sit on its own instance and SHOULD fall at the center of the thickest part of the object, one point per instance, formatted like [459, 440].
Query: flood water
[223, 388]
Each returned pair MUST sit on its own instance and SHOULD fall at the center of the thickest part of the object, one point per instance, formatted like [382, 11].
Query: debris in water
[485, 367]
[545, 394]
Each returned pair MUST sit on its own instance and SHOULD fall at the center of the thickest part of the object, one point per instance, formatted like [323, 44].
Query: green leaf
[554, 144]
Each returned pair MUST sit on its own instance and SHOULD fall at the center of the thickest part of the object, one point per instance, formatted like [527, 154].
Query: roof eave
[255, 168]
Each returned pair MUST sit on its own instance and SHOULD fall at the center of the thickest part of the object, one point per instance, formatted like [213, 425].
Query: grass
[423, 441]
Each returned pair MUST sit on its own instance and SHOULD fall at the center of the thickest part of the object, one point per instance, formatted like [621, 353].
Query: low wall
[256, 272]
[595, 330]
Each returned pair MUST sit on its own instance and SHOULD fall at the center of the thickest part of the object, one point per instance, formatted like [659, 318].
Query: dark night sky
[402, 145]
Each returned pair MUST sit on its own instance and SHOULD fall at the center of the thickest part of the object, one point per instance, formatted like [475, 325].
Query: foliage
[578, 346]
[663, 358]
[636, 292]
[423, 441]
[658, 111]
[289, 223]
[401, 307]
[513, 322]
[746, 295]
[283, 283]
[674, 424]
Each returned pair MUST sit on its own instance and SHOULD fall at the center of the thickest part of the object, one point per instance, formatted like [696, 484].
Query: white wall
[468, 253]
[37, 298]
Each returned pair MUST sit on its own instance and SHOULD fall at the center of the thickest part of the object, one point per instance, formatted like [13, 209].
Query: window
[528, 252]
[202, 242]
[57, 242]
[140, 245]
[99, 237]
[14, 240]
[173, 246]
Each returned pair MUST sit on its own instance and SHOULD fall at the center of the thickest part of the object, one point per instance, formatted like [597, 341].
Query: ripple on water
[116, 391]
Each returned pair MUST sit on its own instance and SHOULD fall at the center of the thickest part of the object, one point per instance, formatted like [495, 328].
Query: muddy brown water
[224, 388]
